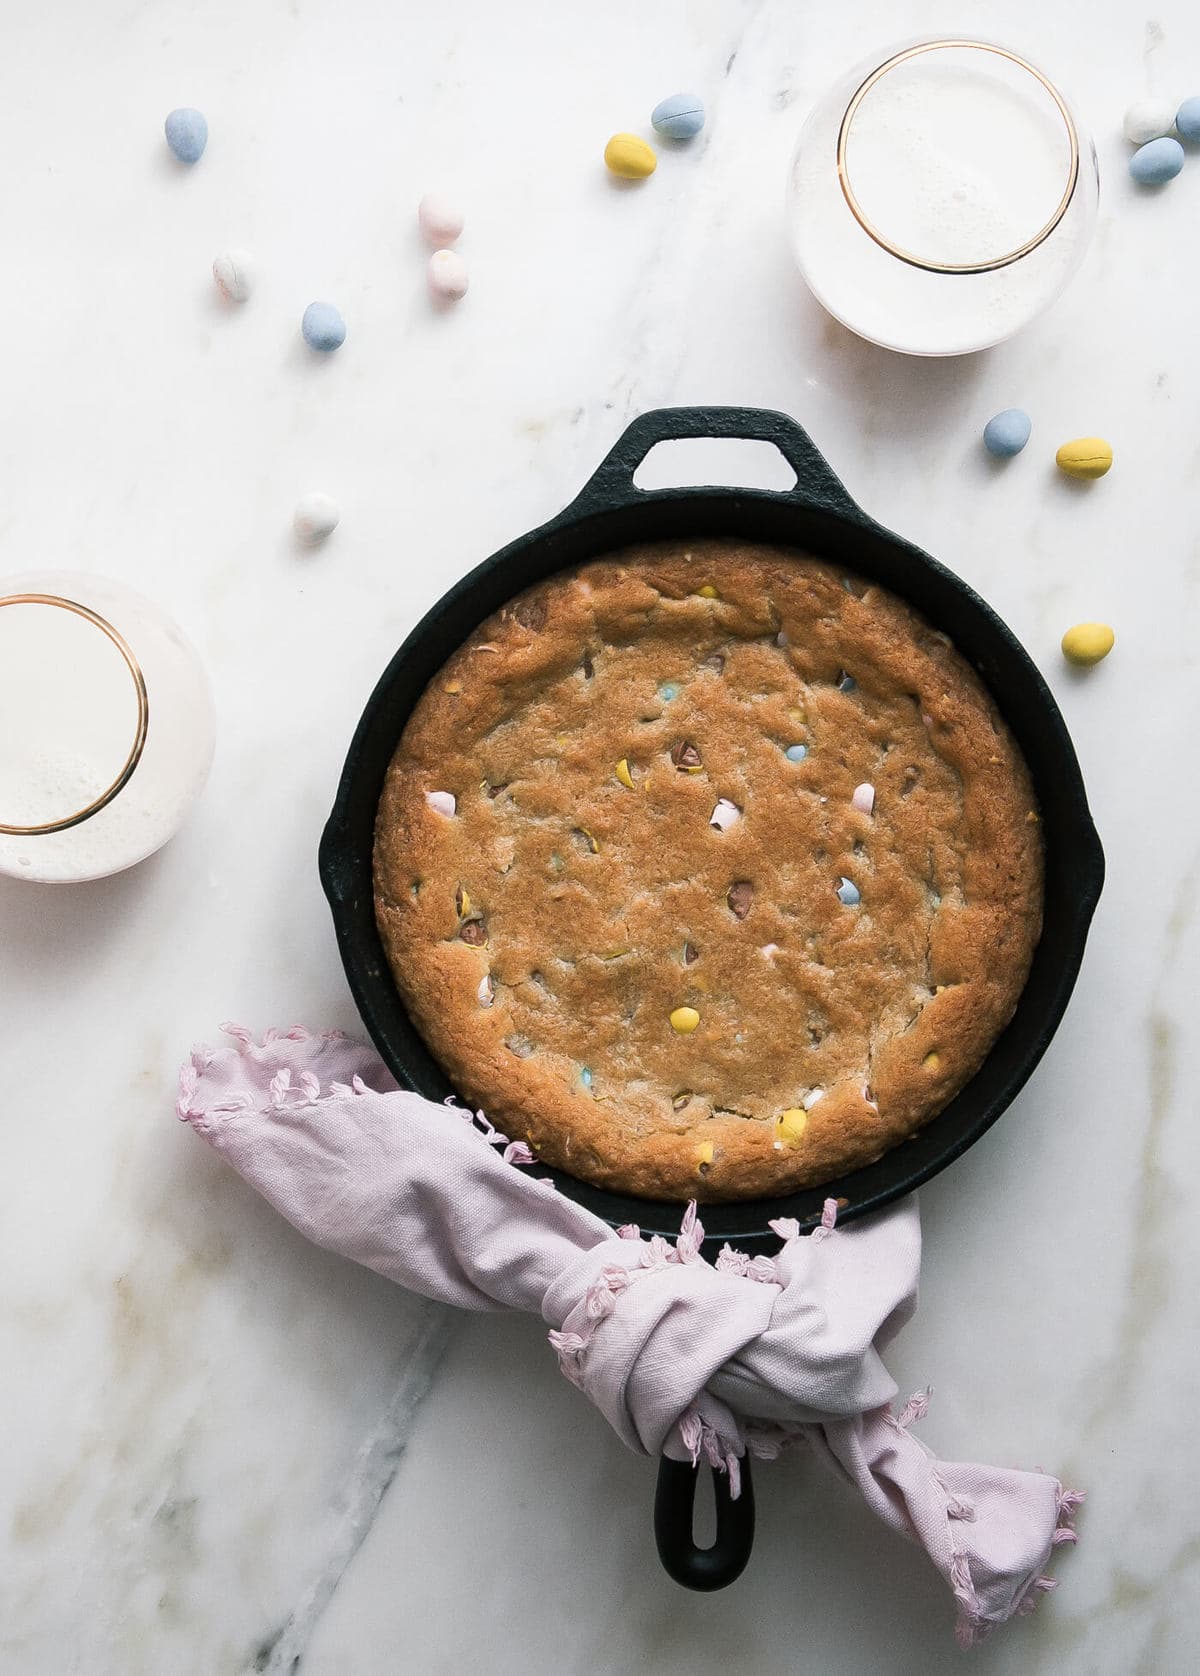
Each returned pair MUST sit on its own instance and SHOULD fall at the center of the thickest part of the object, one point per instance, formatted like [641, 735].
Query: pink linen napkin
[681, 1357]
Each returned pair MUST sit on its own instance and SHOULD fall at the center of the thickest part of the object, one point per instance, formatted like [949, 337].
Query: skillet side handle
[674, 1498]
[817, 485]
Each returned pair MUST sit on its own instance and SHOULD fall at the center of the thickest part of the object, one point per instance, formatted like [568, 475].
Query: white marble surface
[217, 1454]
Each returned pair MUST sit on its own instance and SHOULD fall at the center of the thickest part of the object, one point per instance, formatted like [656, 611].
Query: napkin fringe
[307, 1090]
[972, 1627]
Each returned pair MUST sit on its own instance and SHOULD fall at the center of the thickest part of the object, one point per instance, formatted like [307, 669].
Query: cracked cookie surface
[708, 869]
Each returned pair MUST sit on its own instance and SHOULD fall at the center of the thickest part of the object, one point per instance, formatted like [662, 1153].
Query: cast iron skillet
[819, 516]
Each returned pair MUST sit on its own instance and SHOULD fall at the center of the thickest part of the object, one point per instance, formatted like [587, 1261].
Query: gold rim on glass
[143, 716]
[909, 256]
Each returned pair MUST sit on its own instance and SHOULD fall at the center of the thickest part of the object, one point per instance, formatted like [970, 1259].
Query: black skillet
[818, 516]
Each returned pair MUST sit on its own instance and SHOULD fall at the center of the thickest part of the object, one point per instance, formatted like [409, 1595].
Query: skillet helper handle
[674, 1500]
[817, 485]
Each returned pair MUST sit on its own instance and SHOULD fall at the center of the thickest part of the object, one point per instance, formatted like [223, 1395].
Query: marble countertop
[224, 1452]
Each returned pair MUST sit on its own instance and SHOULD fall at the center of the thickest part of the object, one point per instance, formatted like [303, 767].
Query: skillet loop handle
[817, 485]
[702, 1568]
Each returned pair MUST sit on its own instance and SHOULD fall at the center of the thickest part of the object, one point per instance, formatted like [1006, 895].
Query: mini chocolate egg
[447, 275]
[233, 272]
[440, 221]
[681, 117]
[1146, 120]
[187, 133]
[1087, 643]
[316, 516]
[1157, 163]
[629, 157]
[1187, 119]
[323, 327]
[1087, 457]
[1007, 433]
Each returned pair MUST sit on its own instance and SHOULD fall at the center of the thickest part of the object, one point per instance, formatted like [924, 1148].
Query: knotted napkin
[682, 1357]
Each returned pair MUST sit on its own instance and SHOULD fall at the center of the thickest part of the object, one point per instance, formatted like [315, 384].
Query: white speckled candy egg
[316, 516]
[233, 271]
[441, 222]
[448, 275]
[1148, 119]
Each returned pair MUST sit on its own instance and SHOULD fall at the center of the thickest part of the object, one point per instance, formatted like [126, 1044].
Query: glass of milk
[941, 196]
[106, 726]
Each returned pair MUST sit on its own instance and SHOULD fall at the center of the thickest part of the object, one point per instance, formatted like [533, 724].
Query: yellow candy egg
[684, 1020]
[1087, 456]
[1087, 643]
[790, 1125]
[704, 1154]
[623, 774]
[630, 157]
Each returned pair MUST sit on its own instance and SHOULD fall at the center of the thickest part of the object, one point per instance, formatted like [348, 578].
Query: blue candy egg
[796, 753]
[323, 327]
[681, 117]
[848, 893]
[187, 134]
[1008, 432]
[1156, 163]
[585, 1077]
[669, 690]
[1187, 119]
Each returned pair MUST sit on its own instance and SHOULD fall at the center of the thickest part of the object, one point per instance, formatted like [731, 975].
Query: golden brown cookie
[742, 878]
